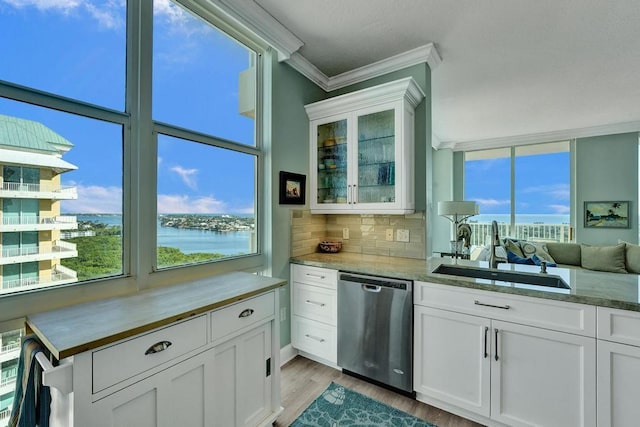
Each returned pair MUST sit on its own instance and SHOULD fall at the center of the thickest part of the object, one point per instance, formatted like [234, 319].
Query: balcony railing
[37, 188]
[34, 220]
[57, 247]
[60, 274]
[10, 347]
[5, 414]
[7, 381]
[480, 232]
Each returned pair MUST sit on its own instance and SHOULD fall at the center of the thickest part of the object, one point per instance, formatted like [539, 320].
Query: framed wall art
[292, 188]
[614, 214]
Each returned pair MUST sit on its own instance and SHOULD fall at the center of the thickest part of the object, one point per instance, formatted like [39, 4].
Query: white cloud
[556, 191]
[560, 209]
[178, 203]
[95, 199]
[109, 14]
[491, 202]
[187, 176]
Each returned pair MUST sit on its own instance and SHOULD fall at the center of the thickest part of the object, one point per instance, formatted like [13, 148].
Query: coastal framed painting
[614, 214]
[292, 188]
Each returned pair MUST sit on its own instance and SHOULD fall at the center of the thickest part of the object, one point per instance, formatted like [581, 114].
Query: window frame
[139, 163]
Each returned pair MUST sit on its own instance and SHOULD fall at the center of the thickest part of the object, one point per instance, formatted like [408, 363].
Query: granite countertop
[613, 290]
[78, 328]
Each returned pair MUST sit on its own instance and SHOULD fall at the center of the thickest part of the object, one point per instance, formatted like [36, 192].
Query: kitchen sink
[503, 276]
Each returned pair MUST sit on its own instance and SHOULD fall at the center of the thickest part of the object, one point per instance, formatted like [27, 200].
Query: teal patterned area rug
[338, 406]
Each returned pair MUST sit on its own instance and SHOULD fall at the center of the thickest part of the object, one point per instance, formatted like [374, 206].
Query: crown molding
[427, 53]
[419, 55]
[250, 14]
[310, 71]
[534, 138]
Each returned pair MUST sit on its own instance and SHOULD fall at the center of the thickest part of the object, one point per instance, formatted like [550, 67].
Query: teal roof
[16, 132]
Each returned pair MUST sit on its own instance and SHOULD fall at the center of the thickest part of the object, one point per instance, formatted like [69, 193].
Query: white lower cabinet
[314, 312]
[230, 379]
[618, 368]
[499, 372]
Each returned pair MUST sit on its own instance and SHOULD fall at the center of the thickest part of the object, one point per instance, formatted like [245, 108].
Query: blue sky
[76, 48]
[542, 184]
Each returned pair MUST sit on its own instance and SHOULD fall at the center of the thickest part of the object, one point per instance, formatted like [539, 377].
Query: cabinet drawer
[315, 303]
[315, 276]
[621, 326]
[244, 313]
[314, 338]
[118, 362]
[544, 313]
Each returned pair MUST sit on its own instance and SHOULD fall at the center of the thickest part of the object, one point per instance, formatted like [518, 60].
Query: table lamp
[456, 212]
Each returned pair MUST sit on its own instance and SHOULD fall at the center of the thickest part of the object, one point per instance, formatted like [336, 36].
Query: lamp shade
[460, 208]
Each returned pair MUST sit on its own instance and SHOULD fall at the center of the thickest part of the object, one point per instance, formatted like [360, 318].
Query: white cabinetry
[216, 369]
[314, 312]
[504, 359]
[618, 367]
[362, 150]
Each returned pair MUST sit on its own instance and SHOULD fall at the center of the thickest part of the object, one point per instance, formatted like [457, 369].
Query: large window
[207, 159]
[526, 189]
[129, 142]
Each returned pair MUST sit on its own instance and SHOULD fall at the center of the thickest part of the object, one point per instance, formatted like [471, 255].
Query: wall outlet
[345, 233]
[283, 314]
[389, 235]
[402, 235]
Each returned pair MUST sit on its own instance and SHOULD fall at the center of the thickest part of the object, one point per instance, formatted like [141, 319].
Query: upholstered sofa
[621, 258]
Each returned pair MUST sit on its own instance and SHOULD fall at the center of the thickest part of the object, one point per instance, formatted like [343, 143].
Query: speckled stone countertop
[613, 290]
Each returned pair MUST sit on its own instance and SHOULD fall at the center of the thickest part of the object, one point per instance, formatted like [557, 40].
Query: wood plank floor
[303, 380]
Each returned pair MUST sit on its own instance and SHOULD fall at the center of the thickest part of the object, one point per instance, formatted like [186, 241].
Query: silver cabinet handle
[315, 338]
[246, 313]
[497, 344]
[504, 307]
[158, 347]
[486, 333]
[321, 304]
[349, 195]
[317, 276]
[355, 194]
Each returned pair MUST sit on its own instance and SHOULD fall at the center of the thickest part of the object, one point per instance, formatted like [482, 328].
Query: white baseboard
[287, 353]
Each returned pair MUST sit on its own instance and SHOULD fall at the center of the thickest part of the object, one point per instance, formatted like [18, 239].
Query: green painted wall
[606, 169]
[289, 152]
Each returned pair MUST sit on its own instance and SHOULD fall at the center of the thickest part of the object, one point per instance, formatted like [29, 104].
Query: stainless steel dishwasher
[375, 329]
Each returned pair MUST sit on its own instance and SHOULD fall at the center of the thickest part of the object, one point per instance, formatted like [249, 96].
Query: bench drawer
[239, 315]
[125, 359]
[620, 326]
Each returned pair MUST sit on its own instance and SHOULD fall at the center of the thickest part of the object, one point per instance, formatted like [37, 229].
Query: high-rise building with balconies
[31, 193]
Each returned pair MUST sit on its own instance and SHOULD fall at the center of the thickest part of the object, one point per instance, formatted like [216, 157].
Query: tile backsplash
[368, 234]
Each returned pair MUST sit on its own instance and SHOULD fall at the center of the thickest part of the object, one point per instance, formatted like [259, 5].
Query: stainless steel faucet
[495, 240]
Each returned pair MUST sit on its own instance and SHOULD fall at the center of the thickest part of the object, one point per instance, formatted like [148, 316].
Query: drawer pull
[315, 338]
[246, 313]
[317, 276]
[158, 347]
[504, 307]
[321, 304]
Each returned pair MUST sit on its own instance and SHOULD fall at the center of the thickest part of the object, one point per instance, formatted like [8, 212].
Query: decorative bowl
[331, 247]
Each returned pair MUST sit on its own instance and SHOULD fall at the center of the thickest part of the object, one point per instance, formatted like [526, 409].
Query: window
[207, 160]
[525, 189]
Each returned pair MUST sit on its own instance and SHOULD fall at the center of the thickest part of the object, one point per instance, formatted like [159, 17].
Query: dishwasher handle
[371, 288]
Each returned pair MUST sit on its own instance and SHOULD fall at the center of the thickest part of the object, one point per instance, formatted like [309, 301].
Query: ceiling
[511, 70]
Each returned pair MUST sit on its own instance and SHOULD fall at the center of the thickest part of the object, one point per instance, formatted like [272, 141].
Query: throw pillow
[565, 253]
[538, 261]
[632, 257]
[540, 249]
[512, 246]
[514, 258]
[604, 258]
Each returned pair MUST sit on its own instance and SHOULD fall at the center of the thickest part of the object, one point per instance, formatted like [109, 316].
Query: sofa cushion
[604, 258]
[632, 257]
[565, 253]
[537, 248]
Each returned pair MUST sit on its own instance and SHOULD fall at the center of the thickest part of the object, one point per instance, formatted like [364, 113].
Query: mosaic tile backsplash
[368, 234]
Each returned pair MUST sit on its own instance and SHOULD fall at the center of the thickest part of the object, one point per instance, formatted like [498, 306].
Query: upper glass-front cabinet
[362, 150]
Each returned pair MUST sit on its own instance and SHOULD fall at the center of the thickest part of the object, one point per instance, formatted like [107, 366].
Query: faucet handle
[543, 267]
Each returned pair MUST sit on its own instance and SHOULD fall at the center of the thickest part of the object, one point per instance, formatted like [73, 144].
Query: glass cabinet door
[332, 163]
[376, 157]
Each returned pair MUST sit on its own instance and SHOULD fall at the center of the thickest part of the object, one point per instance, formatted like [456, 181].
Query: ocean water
[188, 241]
